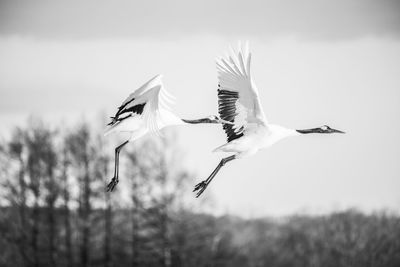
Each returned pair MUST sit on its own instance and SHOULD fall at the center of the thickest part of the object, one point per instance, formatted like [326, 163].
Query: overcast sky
[315, 19]
[315, 62]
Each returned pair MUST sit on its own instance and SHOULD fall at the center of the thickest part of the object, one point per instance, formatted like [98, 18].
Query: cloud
[310, 19]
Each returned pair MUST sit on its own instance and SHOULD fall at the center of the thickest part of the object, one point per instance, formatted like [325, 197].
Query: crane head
[327, 129]
[324, 129]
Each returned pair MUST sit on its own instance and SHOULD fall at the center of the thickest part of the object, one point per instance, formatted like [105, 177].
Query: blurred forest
[54, 211]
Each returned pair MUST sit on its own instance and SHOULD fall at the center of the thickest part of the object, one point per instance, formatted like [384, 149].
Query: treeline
[55, 212]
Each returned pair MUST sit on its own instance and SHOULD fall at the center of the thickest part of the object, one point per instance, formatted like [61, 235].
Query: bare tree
[137, 184]
[37, 143]
[108, 216]
[16, 151]
[78, 144]
[66, 196]
[158, 183]
[101, 168]
[52, 190]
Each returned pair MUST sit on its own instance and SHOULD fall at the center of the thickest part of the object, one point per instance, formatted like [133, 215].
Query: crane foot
[200, 187]
[112, 184]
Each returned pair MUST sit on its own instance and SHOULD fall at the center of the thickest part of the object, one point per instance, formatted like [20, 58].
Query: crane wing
[146, 101]
[238, 100]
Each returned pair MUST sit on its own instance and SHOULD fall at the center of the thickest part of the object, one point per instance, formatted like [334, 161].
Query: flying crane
[248, 130]
[147, 110]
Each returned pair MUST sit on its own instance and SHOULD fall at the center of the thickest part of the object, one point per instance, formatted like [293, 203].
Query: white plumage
[239, 103]
[146, 110]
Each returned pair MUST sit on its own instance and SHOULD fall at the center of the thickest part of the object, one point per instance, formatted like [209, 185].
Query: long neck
[308, 131]
[282, 132]
[202, 120]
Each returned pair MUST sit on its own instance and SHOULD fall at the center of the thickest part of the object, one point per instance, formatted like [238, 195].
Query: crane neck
[281, 131]
[307, 131]
[202, 120]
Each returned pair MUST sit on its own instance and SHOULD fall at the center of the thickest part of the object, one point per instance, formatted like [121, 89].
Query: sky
[314, 62]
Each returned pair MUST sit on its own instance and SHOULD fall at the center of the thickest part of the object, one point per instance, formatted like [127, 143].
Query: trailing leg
[200, 187]
[114, 180]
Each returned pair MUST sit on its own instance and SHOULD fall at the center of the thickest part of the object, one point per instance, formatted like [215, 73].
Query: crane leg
[200, 187]
[114, 180]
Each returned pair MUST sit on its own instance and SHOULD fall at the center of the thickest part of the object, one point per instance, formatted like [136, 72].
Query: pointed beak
[338, 131]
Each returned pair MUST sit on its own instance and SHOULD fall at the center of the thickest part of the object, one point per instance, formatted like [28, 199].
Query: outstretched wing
[146, 102]
[238, 100]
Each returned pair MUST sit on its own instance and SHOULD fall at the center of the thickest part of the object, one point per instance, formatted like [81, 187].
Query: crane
[146, 110]
[239, 103]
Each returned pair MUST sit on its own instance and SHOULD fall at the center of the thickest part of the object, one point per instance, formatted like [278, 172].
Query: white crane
[239, 104]
[146, 110]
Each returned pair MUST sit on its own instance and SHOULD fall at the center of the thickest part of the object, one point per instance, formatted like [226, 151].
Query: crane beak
[337, 131]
